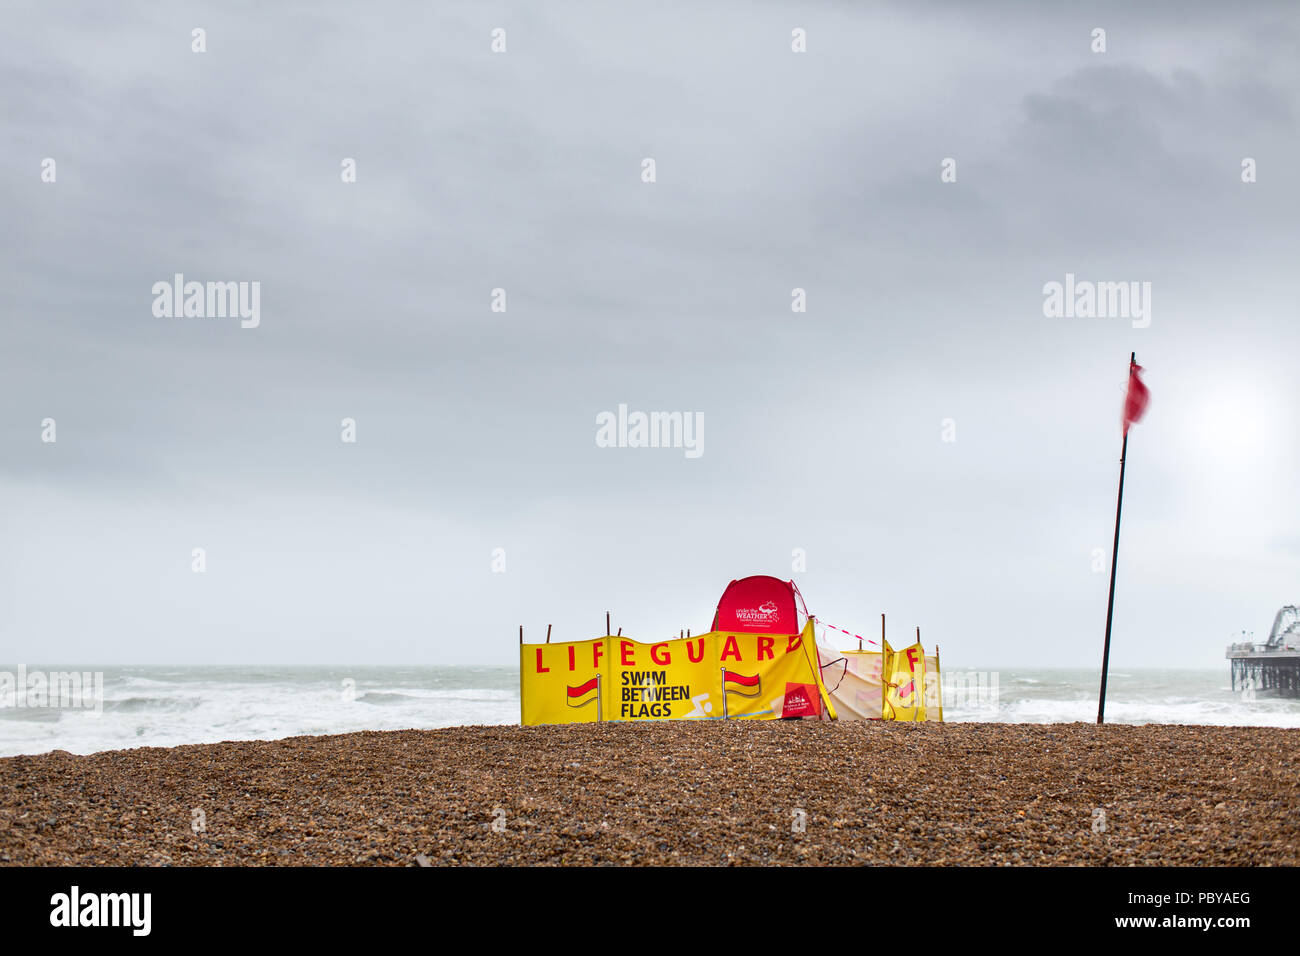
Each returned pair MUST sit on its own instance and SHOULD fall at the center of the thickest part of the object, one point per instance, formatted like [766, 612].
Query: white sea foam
[163, 707]
[208, 705]
[1171, 711]
[1132, 697]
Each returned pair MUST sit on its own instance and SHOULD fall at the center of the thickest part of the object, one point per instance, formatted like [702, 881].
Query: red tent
[760, 603]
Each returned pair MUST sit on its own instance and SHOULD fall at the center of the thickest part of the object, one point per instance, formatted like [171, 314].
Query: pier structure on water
[1273, 666]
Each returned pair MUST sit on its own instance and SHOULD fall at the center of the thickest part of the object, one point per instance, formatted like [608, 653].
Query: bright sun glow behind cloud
[1234, 430]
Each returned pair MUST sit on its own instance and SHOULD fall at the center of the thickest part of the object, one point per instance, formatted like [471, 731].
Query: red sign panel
[801, 700]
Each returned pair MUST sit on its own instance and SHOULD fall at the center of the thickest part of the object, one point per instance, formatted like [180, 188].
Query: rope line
[849, 633]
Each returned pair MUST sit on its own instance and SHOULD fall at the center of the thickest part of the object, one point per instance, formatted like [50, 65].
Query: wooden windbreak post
[548, 633]
[882, 630]
[688, 633]
[922, 695]
[938, 676]
[620, 633]
[607, 630]
[521, 633]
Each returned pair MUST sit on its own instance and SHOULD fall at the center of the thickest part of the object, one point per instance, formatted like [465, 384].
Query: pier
[1274, 665]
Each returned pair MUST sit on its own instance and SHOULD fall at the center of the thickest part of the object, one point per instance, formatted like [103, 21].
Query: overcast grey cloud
[521, 170]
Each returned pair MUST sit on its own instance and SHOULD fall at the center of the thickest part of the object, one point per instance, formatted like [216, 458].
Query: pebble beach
[655, 793]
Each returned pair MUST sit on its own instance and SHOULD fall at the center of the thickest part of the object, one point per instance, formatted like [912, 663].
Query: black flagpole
[1114, 556]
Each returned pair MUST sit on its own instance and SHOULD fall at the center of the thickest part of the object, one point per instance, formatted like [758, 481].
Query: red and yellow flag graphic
[745, 685]
[583, 694]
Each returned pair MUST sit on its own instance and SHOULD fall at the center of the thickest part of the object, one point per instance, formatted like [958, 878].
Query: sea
[125, 707]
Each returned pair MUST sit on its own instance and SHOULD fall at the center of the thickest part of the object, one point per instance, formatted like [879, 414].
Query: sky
[923, 440]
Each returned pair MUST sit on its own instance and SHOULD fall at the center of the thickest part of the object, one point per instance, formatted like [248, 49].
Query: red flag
[1135, 402]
